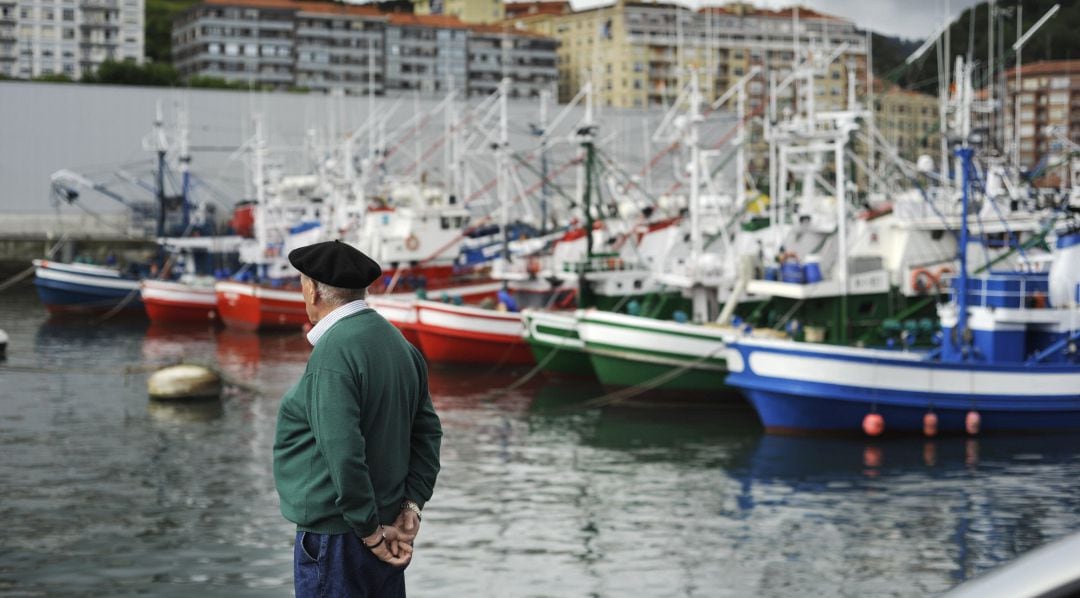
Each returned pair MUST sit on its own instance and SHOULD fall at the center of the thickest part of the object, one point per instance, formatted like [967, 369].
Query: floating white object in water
[184, 382]
[3, 343]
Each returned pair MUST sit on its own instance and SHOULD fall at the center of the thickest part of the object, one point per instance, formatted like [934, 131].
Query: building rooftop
[507, 27]
[528, 9]
[1048, 67]
[888, 87]
[738, 9]
[749, 10]
[435, 21]
[302, 6]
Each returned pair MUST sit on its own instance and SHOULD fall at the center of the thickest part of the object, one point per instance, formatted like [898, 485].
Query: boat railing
[1016, 290]
[601, 263]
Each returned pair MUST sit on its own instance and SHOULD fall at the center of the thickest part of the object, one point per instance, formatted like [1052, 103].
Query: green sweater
[358, 433]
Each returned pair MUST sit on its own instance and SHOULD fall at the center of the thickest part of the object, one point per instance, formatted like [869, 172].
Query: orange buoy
[873, 424]
[972, 422]
[929, 424]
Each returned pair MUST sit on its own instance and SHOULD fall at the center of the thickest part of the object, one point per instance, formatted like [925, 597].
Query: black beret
[336, 264]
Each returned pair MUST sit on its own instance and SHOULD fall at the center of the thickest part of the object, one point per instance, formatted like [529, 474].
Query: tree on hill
[159, 19]
[1054, 41]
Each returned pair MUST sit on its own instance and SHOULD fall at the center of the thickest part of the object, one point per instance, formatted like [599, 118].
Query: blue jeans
[339, 565]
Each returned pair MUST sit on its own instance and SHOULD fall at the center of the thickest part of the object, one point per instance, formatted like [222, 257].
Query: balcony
[99, 5]
[100, 25]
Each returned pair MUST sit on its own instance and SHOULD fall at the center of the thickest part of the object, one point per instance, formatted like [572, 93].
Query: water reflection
[185, 413]
[554, 494]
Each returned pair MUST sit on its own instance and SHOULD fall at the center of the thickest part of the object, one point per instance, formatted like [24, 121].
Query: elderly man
[356, 451]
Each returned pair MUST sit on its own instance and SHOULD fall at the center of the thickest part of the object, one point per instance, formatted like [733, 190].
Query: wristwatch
[410, 505]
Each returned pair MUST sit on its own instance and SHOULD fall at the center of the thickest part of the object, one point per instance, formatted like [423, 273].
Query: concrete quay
[26, 237]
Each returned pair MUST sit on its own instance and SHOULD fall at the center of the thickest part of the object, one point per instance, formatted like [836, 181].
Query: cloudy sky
[905, 18]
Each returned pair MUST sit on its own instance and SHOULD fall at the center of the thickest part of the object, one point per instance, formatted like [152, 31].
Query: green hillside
[1056, 40]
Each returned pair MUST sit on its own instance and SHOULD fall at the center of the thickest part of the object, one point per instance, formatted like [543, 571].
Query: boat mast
[501, 157]
[586, 132]
[545, 96]
[185, 166]
[700, 304]
[964, 153]
[159, 178]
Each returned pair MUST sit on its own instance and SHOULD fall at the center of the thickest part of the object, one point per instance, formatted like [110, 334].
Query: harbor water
[104, 493]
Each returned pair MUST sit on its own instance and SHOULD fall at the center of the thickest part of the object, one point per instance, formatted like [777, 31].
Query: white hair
[337, 296]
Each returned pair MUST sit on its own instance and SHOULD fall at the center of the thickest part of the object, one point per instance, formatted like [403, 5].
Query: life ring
[923, 281]
[942, 272]
[412, 243]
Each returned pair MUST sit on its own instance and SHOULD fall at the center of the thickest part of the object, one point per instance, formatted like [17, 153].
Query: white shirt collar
[318, 330]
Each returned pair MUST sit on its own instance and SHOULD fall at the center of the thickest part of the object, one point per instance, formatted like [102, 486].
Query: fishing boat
[188, 296]
[468, 334]
[574, 273]
[173, 219]
[181, 301]
[1008, 359]
[652, 345]
[73, 288]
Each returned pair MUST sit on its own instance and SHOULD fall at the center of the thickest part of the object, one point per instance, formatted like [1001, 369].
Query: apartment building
[528, 59]
[68, 37]
[324, 46]
[908, 120]
[639, 54]
[425, 53]
[282, 44]
[1049, 108]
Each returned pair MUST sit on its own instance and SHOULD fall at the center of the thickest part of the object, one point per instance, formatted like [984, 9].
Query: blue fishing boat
[1008, 359]
[74, 288]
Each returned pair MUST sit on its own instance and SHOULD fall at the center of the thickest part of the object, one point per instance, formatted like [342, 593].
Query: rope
[651, 384]
[119, 306]
[532, 373]
[7, 284]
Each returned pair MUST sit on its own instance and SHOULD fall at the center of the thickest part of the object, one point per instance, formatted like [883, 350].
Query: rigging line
[10, 282]
[532, 373]
[115, 310]
[652, 383]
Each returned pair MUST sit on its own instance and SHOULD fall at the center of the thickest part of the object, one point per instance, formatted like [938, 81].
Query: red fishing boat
[250, 306]
[400, 308]
[468, 334]
[175, 302]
